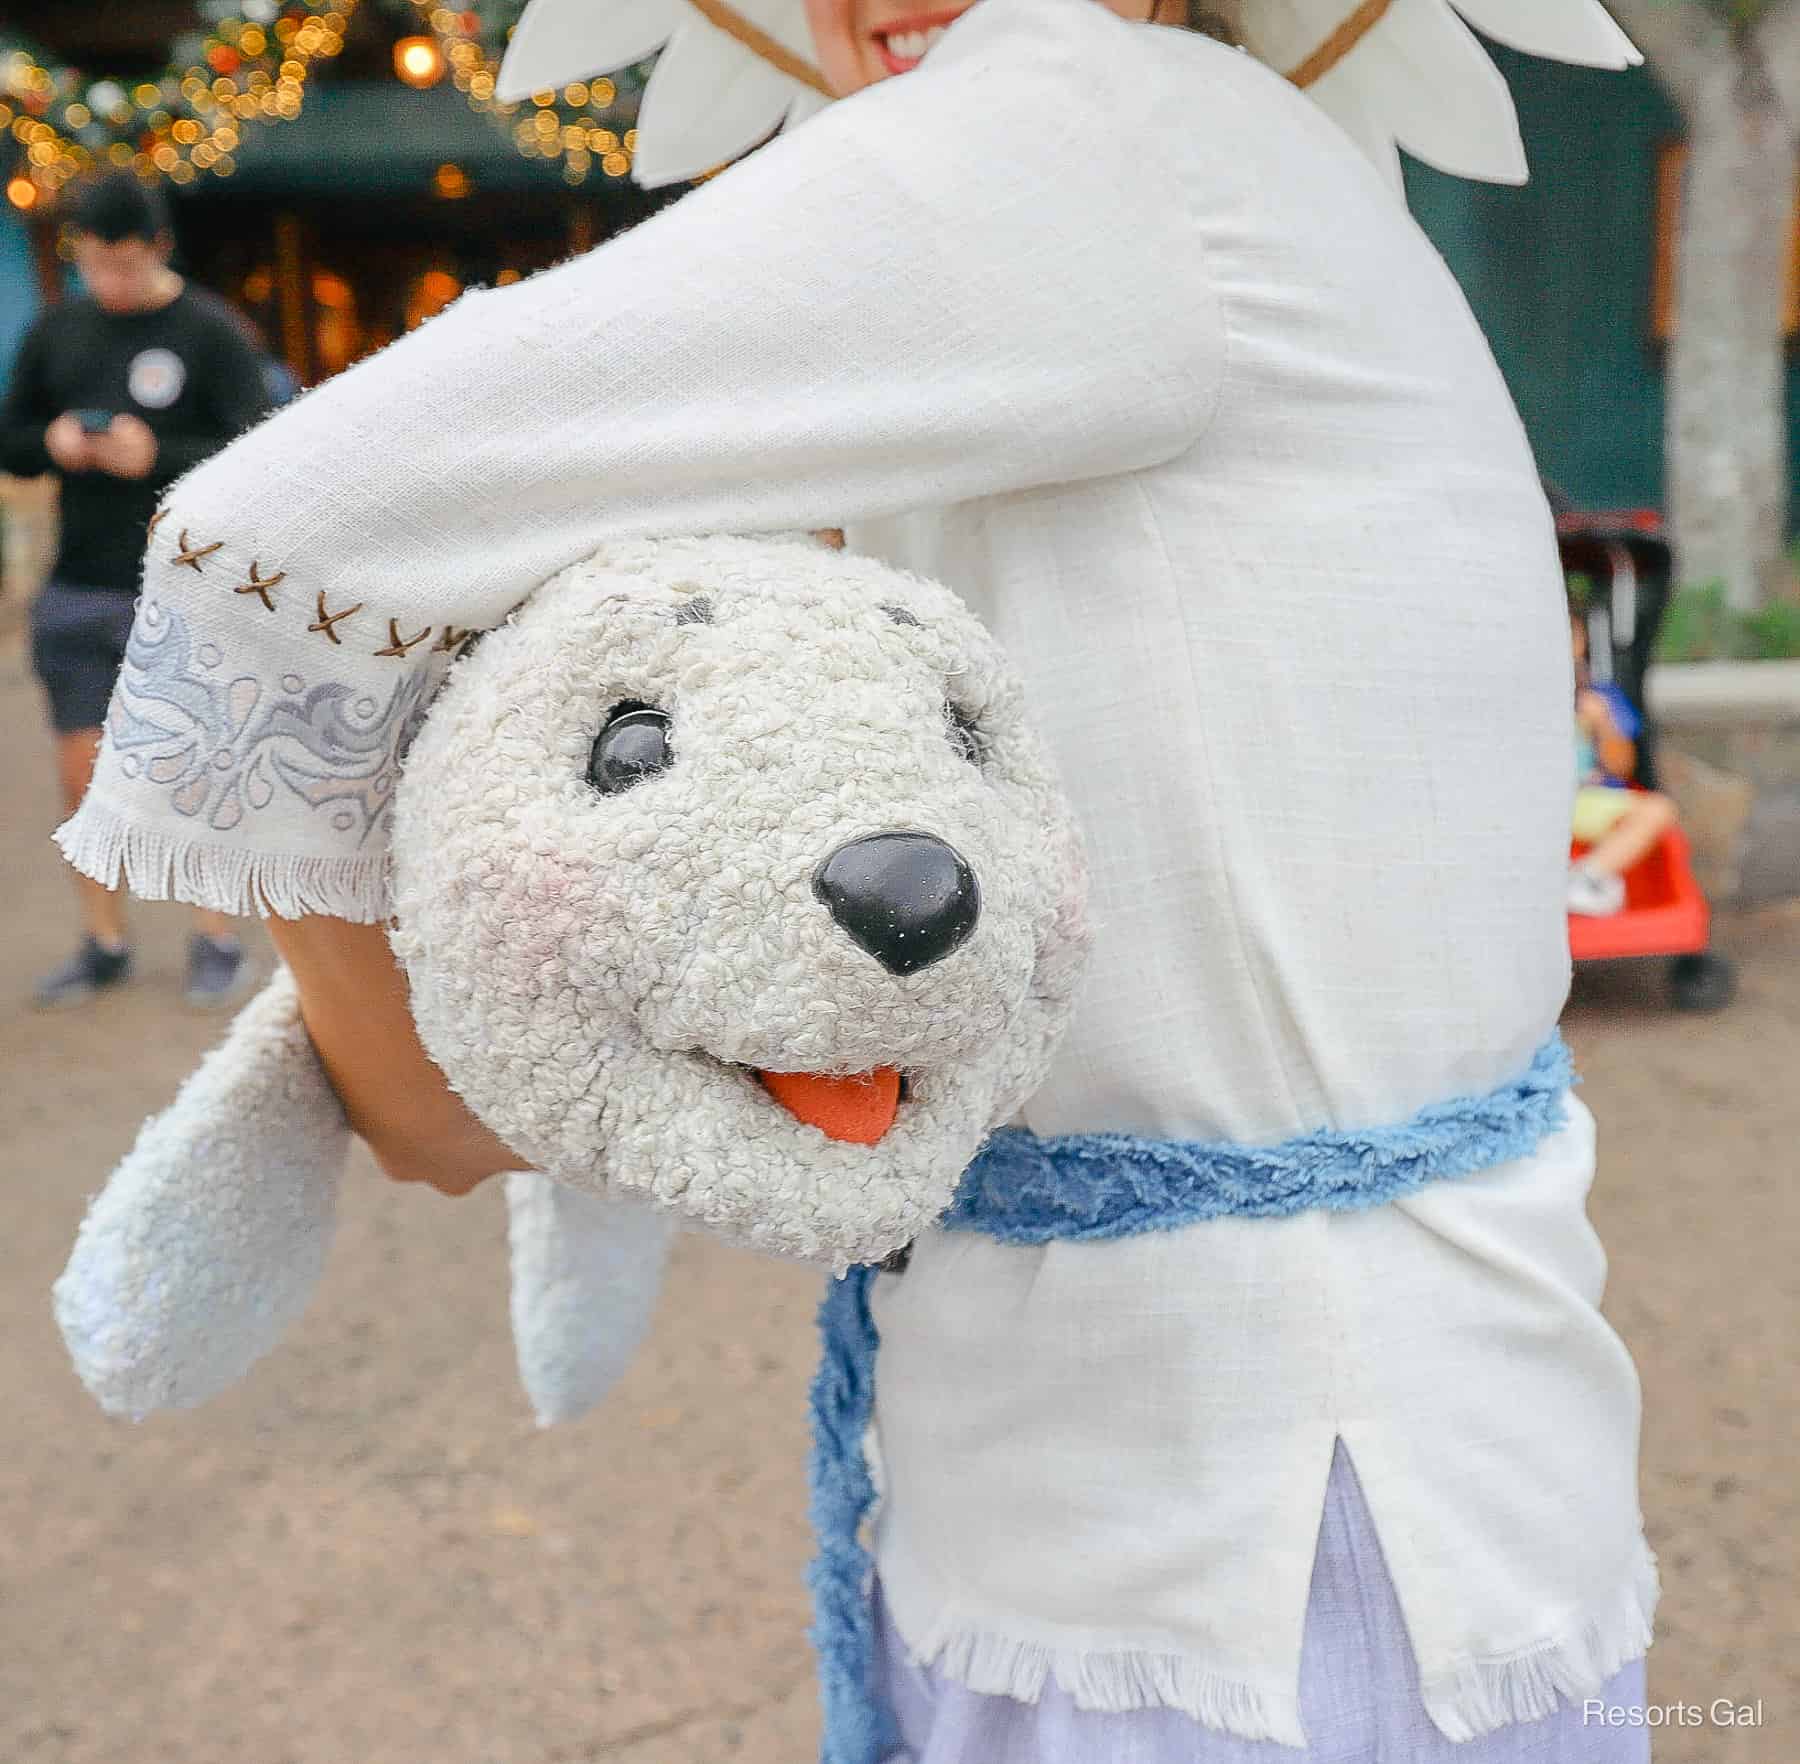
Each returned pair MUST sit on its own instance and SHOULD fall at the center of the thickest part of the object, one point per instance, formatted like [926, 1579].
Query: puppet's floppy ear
[206, 1243]
[586, 1271]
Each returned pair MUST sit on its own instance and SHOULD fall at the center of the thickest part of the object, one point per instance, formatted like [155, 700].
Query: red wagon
[1626, 558]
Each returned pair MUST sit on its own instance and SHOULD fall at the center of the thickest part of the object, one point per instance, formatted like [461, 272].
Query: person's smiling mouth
[902, 43]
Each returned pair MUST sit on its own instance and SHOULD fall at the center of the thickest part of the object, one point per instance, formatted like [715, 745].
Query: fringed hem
[1465, 1701]
[1114, 1682]
[1475, 1697]
[157, 865]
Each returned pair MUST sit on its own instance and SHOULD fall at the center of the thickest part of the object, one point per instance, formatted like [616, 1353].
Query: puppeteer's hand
[127, 449]
[353, 1000]
[69, 444]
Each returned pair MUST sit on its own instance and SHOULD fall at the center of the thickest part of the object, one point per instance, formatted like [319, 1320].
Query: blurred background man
[118, 393]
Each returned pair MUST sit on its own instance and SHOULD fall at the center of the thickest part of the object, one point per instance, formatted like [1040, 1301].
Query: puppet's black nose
[907, 898]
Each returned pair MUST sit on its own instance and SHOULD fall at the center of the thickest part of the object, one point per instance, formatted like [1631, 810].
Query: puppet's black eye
[964, 736]
[633, 746]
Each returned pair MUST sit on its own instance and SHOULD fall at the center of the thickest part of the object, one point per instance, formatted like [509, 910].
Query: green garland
[587, 124]
[251, 66]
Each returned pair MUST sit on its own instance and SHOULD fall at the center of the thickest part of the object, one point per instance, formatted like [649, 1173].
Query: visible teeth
[911, 45]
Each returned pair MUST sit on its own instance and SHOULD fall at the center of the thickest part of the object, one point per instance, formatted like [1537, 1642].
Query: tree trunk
[1726, 431]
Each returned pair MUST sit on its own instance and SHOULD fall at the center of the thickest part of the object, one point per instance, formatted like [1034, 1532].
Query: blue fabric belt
[1085, 1188]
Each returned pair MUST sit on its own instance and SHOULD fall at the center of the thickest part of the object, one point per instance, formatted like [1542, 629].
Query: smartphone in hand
[94, 422]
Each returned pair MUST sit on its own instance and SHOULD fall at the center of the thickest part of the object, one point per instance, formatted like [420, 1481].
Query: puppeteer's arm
[353, 1001]
[933, 292]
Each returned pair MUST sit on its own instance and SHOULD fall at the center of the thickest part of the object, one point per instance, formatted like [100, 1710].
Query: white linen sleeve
[939, 290]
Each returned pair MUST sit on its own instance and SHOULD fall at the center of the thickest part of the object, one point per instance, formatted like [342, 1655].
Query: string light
[250, 67]
[566, 125]
[419, 62]
[253, 66]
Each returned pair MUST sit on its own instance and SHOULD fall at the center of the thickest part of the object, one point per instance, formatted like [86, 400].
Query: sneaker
[1595, 896]
[218, 972]
[89, 971]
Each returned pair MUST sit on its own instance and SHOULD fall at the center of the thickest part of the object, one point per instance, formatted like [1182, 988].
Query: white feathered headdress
[1393, 73]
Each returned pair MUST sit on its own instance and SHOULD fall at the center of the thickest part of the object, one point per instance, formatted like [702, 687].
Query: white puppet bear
[732, 885]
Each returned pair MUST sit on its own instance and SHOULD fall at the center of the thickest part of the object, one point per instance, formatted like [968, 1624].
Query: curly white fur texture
[586, 1272]
[604, 976]
[208, 1240]
[206, 1244]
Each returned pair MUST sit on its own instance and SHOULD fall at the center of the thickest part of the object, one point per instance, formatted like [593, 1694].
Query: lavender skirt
[1359, 1692]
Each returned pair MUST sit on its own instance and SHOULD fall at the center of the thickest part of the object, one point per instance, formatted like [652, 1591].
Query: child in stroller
[1618, 825]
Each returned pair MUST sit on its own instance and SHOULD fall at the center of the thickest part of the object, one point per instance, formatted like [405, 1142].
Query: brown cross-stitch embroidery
[191, 554]
[450, 638]
[156, 520]
[398, 645]
[328, 620]
[260, 584]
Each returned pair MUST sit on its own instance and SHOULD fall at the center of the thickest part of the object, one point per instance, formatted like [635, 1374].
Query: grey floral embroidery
[224, 748]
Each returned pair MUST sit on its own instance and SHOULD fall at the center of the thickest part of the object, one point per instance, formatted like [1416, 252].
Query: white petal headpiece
[1393, 73]
[1410, 73]
[729, 75]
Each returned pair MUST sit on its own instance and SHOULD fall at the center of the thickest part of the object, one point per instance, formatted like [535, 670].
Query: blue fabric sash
[1085, 1188]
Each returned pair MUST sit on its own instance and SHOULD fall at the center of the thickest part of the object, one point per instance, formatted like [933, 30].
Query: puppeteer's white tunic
[1110, 329]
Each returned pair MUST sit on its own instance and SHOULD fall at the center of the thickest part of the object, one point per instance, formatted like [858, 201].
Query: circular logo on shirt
[156, 378]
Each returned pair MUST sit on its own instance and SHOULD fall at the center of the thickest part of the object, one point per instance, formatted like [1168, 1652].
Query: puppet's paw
[586, 1270]
[208, 1239]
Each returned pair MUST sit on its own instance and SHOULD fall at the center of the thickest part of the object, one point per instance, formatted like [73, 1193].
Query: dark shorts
[78, 638]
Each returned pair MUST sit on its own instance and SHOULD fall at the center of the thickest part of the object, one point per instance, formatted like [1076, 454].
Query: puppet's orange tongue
[859, 1109]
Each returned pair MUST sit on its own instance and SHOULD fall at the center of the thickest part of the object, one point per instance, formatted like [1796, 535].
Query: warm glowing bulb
[418, 61]
[22, 193]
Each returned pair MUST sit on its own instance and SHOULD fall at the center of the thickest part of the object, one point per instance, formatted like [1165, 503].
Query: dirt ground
[367, 1554]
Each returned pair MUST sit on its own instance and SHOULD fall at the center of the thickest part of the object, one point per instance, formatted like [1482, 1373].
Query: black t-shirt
[186, 369]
